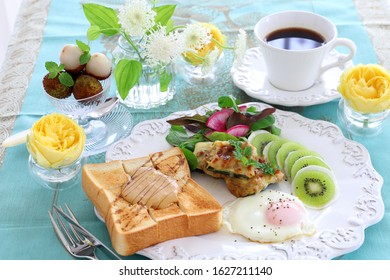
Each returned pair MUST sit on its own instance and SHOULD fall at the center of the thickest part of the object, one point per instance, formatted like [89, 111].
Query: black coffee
[295, 39]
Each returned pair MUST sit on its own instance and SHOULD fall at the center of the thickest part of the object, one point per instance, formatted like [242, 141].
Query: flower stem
[222, 46]
[128, 39]
[365, 123]
[197, 56]
[177, 27]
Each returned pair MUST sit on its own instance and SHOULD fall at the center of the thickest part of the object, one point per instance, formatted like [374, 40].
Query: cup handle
[342, 59]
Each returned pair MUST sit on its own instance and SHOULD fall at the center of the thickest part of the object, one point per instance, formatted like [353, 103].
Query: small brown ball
[86, 86]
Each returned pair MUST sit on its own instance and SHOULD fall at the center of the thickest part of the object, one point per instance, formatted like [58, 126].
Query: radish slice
[217, 121]
[228, 110]
[242, 108]
[238, 130]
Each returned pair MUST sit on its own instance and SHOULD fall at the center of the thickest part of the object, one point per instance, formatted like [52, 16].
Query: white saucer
[251, 77]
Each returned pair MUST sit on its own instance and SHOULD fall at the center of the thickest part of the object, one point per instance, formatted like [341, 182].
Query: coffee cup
[294, 45]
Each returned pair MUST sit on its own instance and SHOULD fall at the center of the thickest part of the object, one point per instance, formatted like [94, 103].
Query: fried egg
[268, 216]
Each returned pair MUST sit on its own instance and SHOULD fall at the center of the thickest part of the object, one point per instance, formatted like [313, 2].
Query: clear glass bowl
[78, 110]
[61, 178]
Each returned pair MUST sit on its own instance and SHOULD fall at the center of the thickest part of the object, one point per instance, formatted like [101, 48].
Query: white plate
[251, 77]
[340, 227]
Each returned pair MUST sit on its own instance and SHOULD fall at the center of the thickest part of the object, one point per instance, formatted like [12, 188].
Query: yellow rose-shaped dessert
[55, 141]
[366, 88]
[197, 57]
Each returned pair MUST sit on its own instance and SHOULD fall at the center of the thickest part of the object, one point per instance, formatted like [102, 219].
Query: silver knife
[95, 241]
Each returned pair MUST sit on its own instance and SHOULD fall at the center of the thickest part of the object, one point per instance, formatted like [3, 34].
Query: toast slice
[148, 200]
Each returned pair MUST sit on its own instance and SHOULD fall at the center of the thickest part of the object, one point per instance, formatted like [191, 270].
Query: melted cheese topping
[148, 186]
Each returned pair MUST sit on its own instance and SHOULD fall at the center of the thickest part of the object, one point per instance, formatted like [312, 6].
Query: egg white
[247, 216]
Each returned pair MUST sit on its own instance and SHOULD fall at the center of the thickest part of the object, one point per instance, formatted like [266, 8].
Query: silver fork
[78, 246]
[89, 237]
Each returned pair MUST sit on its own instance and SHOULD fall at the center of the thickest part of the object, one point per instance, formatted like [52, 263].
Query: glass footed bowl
[60, 178]
[78, 110]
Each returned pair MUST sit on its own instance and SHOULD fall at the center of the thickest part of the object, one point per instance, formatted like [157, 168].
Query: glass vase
[361, 124]
[195, 75]
[146, 93]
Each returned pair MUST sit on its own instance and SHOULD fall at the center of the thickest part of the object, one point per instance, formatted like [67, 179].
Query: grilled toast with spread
[148, 200]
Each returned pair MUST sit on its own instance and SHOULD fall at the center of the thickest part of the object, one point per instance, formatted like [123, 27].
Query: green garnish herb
[56, 70]
[244, 155]
[86, 56]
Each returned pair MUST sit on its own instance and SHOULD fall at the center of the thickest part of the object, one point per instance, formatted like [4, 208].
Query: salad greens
[231, 123]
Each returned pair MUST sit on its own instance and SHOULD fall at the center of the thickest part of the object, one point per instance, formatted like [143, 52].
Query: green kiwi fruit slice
[304, 162]
[271, 149]
[294, 156]
[315, 186]
[260, 139]
[284, 150]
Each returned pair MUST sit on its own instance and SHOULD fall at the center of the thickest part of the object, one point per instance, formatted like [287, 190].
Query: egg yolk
[284, 213]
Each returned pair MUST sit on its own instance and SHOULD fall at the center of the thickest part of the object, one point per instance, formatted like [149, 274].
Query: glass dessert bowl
[80, 109]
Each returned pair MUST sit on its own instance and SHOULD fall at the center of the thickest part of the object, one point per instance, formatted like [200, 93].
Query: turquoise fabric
[25, 229]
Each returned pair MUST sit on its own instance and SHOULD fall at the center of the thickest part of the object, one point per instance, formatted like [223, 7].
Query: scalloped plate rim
[172, 247]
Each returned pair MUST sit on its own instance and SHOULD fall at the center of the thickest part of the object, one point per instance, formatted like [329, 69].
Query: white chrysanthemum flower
[136, 17]
[162, 48]
[210, 60]
[240, 47]
[196, 36]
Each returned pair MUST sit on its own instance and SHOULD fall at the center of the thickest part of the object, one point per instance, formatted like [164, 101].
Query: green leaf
[93, 32]
[83, 46]
[103, 17]
[84, 58]
[170, 26]
[275, 130]
[251, 109]
[248, 151]
[221, 136]
[263, 123]
[190, 157]
[165, 79]
[228, 102]
[51, 66]
[177, 135]
[66, 79]
[52, 75]
[164, 14]
[127, 74]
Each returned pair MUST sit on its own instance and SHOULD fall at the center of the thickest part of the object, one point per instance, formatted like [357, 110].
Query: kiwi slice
[266, 148]
[315, 186]
[304, 162]
[272, 150]
[260, 139]
[284, 150]
[294, 156]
